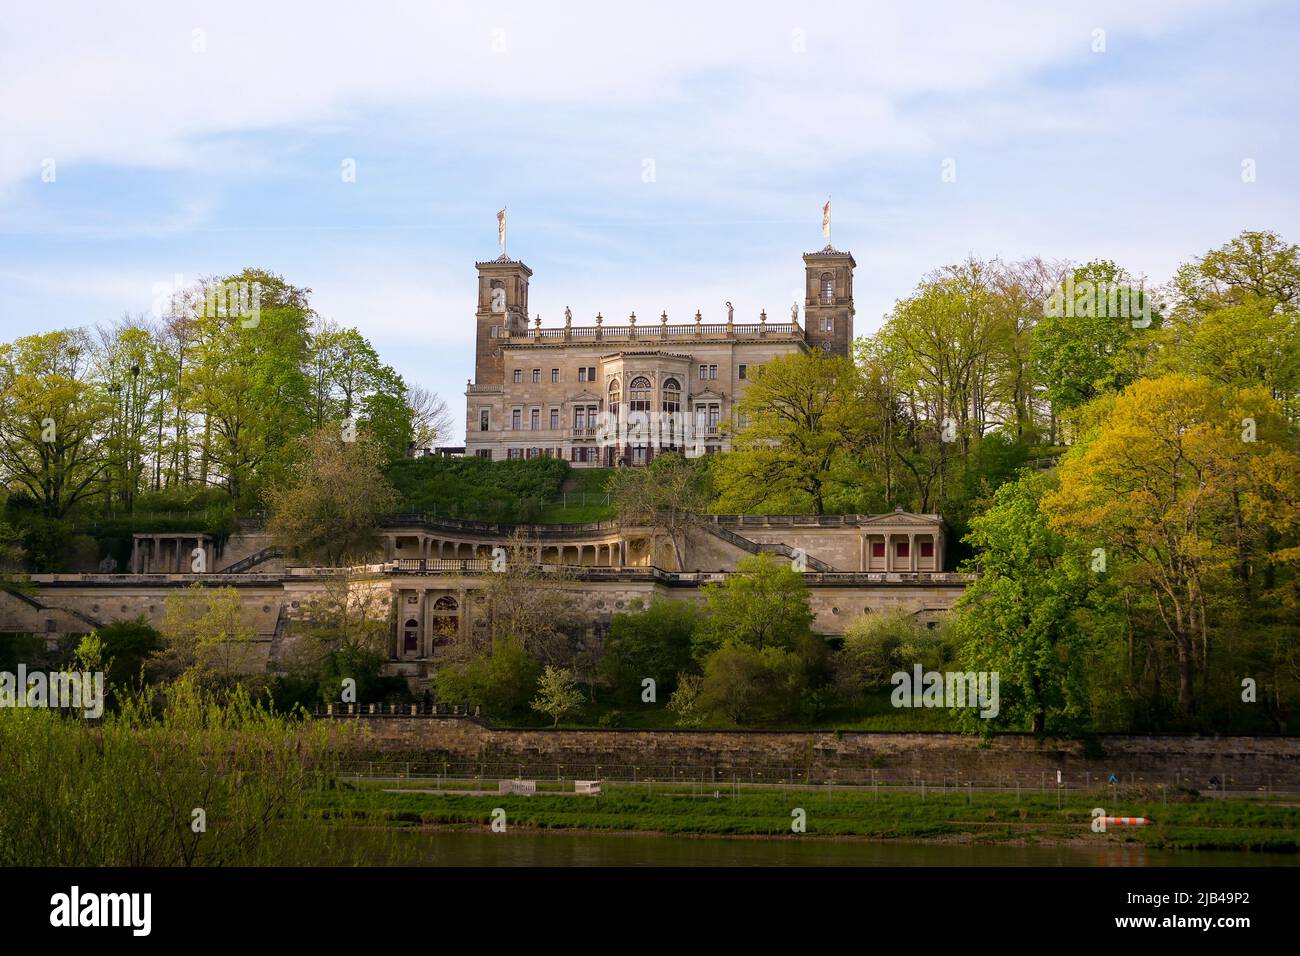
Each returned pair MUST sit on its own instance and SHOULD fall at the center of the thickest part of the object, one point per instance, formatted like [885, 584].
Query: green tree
[1081, 349]
[52, 421]
[1032, 614]
[747, 685]
[654, 642]
[763, 604]
[330, 504]
[557, 694]
[205, 636]
[128, 645]
[797, 418]
[501, 682]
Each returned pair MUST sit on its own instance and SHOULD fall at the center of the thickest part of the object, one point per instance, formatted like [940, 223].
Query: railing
[673, 332]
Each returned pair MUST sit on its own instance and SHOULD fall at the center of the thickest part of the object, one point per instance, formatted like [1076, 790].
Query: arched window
[639, 394]
[615, 395]
[828, 289]
[411, 636]
[672, 395]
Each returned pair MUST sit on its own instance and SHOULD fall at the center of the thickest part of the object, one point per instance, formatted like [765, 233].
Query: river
[557, 848]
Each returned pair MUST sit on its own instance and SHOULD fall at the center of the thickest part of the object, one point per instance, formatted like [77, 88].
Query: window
[715, 415]
[519, 376]
[535, 419]
[672, 395]
[537, 375]
[580, 417]
[615, 394]
[901, 549]
[713, 371]
[591, 373]
[828, 323]
[555, 375]
[514, 453]
[877, 549]
[927, 549]
[555, 419]
[484, 418]
[485, 453]
[514, 419]
[741, 372]
[828, 288]
[704, 372]
[639, 394]
[582, 376]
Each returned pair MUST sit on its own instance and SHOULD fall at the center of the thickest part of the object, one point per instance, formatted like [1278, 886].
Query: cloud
[145, 84]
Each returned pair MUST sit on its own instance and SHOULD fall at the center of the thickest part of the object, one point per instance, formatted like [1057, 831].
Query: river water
[557, 848]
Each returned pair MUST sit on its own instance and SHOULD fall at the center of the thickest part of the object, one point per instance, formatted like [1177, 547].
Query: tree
[128, 647]
[877, 646]
[798, 417]
[557, 694]
[763, 604]
[204, 635]
[247, 377]
[747, 685]
[1081, 349]
[654, 642]
[1033, 614]
[1253, 266]
[52, 418]
[500, 681]
[349, 620]
[525, 602]
[1184, 481]
[431, 419]
[329, 508]
[672, 495]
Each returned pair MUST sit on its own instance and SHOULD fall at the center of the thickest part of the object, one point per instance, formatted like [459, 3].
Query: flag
[501, 229]
[826, 220]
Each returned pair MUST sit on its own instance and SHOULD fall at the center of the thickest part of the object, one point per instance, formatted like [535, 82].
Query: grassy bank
[1182, 820]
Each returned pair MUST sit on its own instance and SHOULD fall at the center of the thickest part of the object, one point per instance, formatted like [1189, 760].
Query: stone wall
[469, 745]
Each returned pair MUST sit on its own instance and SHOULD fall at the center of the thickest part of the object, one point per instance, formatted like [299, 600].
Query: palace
[606, 395]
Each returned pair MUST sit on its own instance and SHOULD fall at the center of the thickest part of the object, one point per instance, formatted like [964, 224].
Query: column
[862, 552]
[135, 555]
[911, 551]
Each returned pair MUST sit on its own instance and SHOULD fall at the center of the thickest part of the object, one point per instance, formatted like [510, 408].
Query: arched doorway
[445, 623]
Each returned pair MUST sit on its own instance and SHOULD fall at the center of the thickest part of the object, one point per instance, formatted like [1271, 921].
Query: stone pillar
[862, 549]
[911, 551]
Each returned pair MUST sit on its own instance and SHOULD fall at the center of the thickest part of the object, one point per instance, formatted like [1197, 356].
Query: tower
[502, 305]
[828, 300]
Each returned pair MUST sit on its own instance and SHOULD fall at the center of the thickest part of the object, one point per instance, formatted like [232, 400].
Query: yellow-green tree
[1183, 483]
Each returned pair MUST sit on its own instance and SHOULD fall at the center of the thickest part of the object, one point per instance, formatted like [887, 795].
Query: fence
[430, 770]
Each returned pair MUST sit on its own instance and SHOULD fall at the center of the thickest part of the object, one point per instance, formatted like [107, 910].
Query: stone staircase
[252, 560]
[756, 547]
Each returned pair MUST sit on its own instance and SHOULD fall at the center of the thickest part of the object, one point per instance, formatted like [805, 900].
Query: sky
[653, 157]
